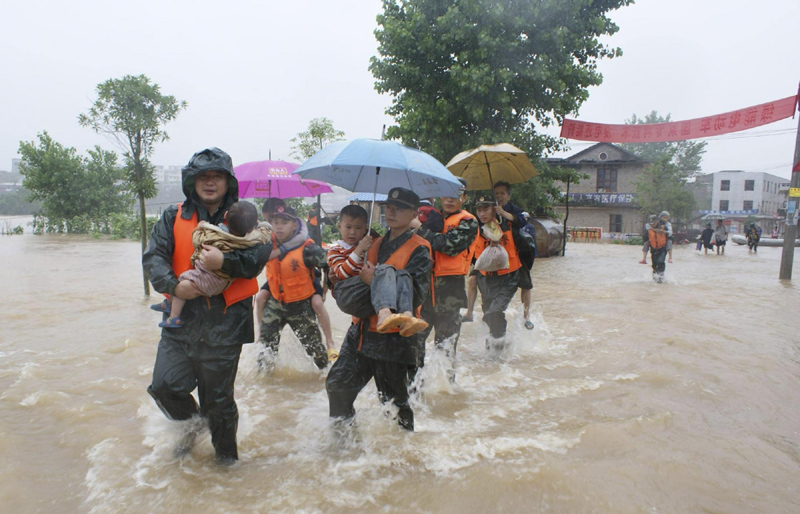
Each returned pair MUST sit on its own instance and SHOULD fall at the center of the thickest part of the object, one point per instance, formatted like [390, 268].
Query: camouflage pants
[302, 320]
[450, 296]
[497, 291]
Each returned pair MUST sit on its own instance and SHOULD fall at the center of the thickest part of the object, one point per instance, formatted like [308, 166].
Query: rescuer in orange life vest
[382, 341]
[497, 288]
[451, 235]
[658, 234]
[204, 353]
[290, 279]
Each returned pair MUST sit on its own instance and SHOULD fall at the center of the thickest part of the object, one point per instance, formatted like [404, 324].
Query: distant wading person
[658, 237]
[753, 237]
[720, 237]
[204, 353]
[707, 238]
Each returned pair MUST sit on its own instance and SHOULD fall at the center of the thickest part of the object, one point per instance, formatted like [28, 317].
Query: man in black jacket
[204, 352]
[387, 356]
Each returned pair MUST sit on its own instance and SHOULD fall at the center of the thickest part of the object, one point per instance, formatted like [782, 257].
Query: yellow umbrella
[487, 164]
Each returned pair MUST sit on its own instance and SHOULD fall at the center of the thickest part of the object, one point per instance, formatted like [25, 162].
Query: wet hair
[355, 212]
[502, 183]
[242, 218]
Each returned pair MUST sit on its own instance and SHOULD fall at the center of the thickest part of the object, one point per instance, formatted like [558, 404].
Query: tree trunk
[566, 216]
[143, 226]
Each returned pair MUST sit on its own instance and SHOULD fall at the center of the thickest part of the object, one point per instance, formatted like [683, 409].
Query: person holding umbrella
[395, 278]
[451, 240]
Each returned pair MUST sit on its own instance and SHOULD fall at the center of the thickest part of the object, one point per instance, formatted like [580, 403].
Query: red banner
[733, 121]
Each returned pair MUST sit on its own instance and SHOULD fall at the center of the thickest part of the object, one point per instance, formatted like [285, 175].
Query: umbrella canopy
[713, 216]
[274, 179]
[376, 166]
[483, 166]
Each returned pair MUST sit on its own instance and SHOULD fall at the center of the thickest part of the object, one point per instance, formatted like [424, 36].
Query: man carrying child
[204, 353]
[383, 300]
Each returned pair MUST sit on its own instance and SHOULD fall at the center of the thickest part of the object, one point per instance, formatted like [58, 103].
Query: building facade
[607, 199]
[740, 195]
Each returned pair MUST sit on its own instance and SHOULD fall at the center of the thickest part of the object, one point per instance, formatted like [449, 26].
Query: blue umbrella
[376, 166]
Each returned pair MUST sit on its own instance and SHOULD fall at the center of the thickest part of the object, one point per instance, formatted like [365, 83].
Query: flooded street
[628, 397]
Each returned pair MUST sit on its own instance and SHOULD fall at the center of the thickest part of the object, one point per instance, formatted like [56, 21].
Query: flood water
[628, 397]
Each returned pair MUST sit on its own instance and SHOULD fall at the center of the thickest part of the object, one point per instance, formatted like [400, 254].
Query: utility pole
[787, 258]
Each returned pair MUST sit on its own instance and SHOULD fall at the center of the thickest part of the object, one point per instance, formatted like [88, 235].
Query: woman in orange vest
[395, 276]
[451, 235]
[204, 353]
[290, 279]
[497, 288]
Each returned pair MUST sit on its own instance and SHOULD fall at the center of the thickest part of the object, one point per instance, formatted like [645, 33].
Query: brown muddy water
[628, 397]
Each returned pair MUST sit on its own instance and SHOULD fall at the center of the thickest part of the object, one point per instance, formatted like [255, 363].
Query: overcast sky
[255, 73]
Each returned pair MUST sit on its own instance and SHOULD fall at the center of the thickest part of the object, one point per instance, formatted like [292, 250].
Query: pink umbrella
[274, 179]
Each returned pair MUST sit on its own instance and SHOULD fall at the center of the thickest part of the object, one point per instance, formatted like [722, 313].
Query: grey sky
[255, 73]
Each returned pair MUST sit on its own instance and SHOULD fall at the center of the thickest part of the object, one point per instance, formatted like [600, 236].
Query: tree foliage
[70, 186]
[132, 111]
[663, 185]
[485, 71]
[320, 134]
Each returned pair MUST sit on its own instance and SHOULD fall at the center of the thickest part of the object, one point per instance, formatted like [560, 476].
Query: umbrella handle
[374, 192]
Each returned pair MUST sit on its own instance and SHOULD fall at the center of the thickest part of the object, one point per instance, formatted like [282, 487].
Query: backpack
[526, 239]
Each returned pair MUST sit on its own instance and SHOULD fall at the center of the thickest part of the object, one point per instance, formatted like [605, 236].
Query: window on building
[724, 185]
[606, 180]
[615, 223]
[723, 205]
[749, 185]
[747, 205]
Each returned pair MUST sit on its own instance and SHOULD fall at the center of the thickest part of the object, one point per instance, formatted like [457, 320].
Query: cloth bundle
[494, 257]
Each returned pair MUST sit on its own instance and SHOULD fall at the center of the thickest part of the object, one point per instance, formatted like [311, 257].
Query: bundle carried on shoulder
[494, 257]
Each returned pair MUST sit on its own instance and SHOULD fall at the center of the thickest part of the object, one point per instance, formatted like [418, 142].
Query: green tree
[132, 111]
[320, 134]
[485, 71]
[664, 184]
[687, 156]
[662, 187]
[71, 187]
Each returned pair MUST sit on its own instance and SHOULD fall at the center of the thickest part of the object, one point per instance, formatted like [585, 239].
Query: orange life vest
[447, 265]
[481, 243]
[240, 289]
[288, 278]
[657, 239]
[399, 260]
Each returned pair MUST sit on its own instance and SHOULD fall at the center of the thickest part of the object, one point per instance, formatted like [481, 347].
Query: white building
[747, 191]
[739, 194]
[167, 174]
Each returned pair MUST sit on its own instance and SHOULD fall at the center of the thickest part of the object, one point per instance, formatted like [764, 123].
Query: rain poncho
[204, 353]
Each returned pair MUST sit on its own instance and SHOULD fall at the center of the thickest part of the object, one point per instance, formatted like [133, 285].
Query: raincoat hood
[207, 160]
